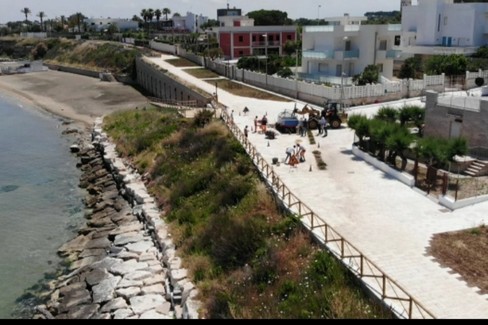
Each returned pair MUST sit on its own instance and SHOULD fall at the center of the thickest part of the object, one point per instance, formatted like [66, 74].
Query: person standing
[264, 122]
[301, 153]
[305, 127]
[322, 125]
[256, 124]
[246, 131]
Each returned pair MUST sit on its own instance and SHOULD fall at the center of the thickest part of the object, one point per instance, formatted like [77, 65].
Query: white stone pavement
[387, 221]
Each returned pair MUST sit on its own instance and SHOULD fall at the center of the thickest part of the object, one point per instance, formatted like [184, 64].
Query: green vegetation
[370, 75]
[202, 73]
[100, 56]
[248, 259]
[103, 56]
[180, 62]
[245, 91]
[387, 132]
[270, 18]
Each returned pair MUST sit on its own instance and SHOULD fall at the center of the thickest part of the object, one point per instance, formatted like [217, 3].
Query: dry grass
[245, 91]
[465, 253]
[202, 73]
[181, 63]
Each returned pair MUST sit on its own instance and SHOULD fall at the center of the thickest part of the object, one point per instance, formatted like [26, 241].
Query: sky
[312, 9]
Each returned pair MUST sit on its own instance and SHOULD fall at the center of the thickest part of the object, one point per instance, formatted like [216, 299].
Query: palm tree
[166, 12]
[150, 15]
[144, 14]
[79, 20]
[41, 16]
[63, 20]
[26, 11]
[158, 14]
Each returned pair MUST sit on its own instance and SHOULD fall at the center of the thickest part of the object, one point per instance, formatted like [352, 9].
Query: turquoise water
[40, 202]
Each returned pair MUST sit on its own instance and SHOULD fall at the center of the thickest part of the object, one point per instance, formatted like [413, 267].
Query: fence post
[445, 183]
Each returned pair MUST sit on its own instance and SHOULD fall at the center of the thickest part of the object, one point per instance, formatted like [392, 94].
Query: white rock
[140, 304]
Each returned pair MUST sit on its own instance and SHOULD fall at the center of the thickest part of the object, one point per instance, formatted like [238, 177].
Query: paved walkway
[387, 221]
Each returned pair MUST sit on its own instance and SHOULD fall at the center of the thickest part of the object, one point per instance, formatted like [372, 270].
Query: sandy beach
[75, 97]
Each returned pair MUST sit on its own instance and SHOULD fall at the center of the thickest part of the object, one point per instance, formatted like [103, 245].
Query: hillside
[113, 57]
[248, 259]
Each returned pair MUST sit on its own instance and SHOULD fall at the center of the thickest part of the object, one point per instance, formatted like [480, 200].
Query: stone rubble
[123, 263]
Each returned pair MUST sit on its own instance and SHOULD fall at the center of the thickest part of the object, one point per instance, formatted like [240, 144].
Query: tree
[451, 65]
[26, 11]
[387, 114]
[79, 20]
[397, 143]
[383, 17]
[144, 15]
[269, 17]
[209, 24]
[150, 15]
[411, 68]
[370, 75]
[158, 14]
[63, 21]
[41, 16]
[291, 47]
[39, 51]
[166, 12]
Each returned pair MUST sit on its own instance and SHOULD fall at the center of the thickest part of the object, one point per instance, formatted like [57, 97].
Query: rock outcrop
[122, 263]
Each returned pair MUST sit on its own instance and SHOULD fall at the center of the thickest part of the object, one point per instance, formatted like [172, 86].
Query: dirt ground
[72, 96]
[466, 253]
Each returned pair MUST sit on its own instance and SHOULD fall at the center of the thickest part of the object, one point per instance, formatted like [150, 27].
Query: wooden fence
[392, 294]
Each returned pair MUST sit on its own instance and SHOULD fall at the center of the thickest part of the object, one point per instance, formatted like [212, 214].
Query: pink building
[238, 41]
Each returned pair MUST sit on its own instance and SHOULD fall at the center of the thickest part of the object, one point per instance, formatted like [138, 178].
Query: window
[382, 45]
[288, 37]
[397, 40]
[254, 38]
[241, 53]
[241, 39]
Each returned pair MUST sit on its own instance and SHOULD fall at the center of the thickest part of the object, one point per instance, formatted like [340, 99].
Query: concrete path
[387, 221]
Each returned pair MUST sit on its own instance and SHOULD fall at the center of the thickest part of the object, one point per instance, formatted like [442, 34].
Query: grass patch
[247, 258]
[245, 91]
[202, 73]
[180, 62]
[465, 253]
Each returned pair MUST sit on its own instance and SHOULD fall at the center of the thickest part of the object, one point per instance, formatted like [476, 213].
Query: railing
[318, 55]
[175, 103]
[387, 289]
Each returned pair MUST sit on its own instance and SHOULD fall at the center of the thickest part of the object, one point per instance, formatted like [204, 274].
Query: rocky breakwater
[123, 263]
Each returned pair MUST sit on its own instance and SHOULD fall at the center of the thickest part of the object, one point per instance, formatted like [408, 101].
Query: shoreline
[78, 99]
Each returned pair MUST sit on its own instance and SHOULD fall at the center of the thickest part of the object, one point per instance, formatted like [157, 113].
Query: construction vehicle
[330, 112]
[288, 121]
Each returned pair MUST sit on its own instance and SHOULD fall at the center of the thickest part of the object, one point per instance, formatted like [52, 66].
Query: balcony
[393, 54]
[344, 55]
[266, 44]
[318, 55]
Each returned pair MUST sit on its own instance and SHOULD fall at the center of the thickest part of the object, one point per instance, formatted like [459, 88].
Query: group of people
[260, 123]
[295, 155]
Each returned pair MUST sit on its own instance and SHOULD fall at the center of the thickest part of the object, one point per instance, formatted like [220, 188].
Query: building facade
[451, 116]
[240, 41]
[344, 48]
[444, 27]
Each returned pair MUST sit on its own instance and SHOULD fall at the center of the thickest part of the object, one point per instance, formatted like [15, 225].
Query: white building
[191, 22]
[444, 27]
[344, 48]
[100, 24]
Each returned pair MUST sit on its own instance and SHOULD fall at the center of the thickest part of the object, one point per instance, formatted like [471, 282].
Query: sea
[40, 202]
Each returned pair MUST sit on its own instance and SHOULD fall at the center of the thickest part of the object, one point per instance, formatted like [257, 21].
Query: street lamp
[318, 14]
[266, 54]
[343, 74]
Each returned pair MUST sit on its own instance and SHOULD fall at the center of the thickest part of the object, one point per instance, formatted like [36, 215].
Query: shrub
[479, 81]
